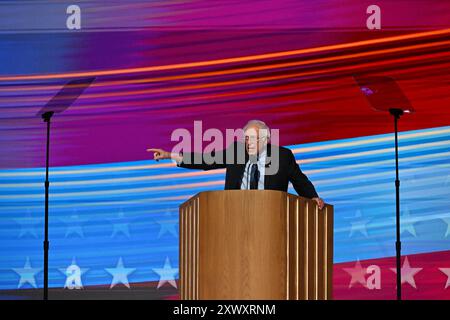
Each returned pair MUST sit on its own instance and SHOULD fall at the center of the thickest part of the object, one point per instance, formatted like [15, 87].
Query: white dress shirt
[262, 170]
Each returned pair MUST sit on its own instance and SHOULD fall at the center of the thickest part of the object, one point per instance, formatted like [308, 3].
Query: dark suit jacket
[289, 170]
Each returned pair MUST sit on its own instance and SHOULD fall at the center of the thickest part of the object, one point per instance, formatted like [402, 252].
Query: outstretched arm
[160, 154]
[188, 159]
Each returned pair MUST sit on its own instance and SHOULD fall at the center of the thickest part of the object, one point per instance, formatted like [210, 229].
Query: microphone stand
[383, 91]
[46, 117]
[397, 113]
[62, 100]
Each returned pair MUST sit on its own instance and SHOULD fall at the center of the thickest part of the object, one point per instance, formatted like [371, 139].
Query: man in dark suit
[257, 164]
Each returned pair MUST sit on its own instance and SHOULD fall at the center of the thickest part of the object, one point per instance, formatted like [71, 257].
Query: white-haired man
[254, 171]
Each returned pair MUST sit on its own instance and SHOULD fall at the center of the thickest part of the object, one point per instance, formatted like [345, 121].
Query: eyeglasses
[254, 139]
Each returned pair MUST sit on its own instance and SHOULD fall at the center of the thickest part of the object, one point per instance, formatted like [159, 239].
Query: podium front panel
[255, 244]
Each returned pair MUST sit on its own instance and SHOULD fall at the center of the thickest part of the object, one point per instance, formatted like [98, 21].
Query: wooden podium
[255, 244]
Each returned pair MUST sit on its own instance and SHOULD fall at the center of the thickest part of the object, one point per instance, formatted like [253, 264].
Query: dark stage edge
[140, 292]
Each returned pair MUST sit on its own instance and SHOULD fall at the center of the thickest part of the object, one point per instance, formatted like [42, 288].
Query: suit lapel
[240, 170]
[240, 173]
[267, 178]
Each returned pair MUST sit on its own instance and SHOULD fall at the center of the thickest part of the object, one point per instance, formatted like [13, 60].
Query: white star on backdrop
[120, 274]
[166, 274]
[447, 181]
[447, 221]
[168, 224]
[409, 181]
[407, 273]
[447, 273]
[68, 272]
[407, 222]
[359, 224]
[74, 225]
[27, 274]
[358, 274]
[28, 225]
[120, 226]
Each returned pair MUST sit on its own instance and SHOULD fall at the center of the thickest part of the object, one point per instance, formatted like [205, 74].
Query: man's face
[254, 142]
